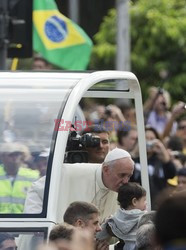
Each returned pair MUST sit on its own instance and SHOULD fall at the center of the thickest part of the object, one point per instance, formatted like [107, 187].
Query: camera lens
[74, 150]
[76, 156]
[89, 140]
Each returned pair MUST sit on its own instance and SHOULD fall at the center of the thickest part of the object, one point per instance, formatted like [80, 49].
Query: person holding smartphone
[160, 165]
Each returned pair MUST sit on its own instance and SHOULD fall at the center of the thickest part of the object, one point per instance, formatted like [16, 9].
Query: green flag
[59, 40]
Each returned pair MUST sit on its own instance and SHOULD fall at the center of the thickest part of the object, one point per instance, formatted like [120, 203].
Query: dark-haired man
[83, 214]
[86, 216]
[97, 154]
[67, 237]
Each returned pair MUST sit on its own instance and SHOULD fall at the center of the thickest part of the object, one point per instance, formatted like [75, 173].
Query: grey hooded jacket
[123, 225]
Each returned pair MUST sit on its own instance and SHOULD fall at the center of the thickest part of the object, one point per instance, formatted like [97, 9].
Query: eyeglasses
[182, 127]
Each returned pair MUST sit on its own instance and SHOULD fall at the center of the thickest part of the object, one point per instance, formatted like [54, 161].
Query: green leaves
[158, 44]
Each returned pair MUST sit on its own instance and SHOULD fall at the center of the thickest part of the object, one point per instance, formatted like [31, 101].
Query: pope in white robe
[94, 183]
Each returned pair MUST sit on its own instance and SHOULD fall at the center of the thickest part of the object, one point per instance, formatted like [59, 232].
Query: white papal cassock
[79, 182]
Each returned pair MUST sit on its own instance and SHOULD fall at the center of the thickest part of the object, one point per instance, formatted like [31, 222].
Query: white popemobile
[37, 110]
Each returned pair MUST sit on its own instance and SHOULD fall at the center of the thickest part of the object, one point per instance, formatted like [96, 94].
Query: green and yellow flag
[59, 40]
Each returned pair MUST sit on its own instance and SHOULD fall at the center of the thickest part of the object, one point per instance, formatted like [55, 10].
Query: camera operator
[97, 154]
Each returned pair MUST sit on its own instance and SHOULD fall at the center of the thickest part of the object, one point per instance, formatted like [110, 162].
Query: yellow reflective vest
[13, 192]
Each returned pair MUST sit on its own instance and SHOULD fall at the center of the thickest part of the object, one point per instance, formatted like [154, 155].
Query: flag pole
[15, 60]
[14, 64]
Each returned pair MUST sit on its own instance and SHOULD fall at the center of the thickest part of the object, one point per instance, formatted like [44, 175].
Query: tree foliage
[158, 44]
[105, 49]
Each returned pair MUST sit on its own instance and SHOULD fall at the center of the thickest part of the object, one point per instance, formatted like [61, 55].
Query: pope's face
[118, 174]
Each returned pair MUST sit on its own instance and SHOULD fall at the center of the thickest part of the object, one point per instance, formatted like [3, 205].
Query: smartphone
[150, 144]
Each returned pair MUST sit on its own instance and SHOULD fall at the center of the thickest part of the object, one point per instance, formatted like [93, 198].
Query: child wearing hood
[124, 223]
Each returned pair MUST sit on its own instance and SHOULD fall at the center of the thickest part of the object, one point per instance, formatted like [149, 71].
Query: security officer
[15, 178]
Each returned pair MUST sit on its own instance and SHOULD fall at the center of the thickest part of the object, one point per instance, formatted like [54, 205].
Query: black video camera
[75, 147]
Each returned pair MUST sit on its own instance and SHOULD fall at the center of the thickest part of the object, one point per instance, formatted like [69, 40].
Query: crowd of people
[165, 132]
[92, 217]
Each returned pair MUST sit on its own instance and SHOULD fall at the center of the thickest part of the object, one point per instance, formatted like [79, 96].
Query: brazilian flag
[59, 40]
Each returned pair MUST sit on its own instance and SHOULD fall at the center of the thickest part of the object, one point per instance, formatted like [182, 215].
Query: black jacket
[159, 172]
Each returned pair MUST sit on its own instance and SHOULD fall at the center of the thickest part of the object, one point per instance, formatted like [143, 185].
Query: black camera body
[76, 145]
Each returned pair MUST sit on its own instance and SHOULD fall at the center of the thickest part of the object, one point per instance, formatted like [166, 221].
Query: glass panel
[22, 240]
[117, 116]
[28, 109]
[111, 85]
